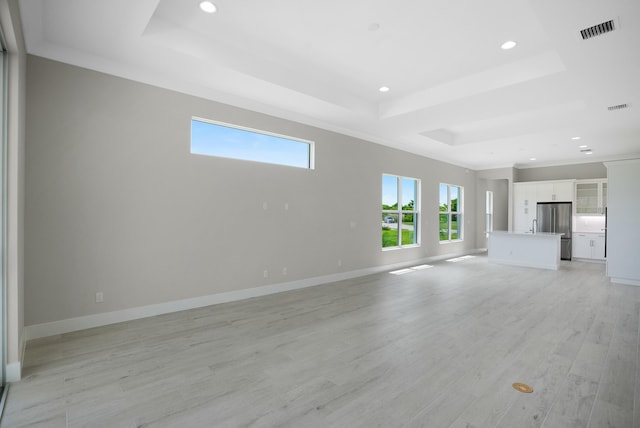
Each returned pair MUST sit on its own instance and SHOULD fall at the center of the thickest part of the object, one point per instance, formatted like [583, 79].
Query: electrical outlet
[284, 271]
[99, 297]
[339, 262]
[265, 273]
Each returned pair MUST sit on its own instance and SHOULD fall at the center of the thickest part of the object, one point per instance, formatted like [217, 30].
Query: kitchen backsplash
[588, 223]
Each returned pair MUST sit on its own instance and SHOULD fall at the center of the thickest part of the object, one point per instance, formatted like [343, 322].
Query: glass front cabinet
[591, 197]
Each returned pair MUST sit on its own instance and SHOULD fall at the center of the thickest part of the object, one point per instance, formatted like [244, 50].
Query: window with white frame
[230, 141]
[400, 211]
[489, 213]
[451, 205]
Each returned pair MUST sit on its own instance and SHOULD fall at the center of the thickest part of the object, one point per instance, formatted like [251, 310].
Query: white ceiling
[455, 95]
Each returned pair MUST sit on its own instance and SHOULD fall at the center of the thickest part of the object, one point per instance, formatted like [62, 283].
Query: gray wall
[564, 172]
[499, 181]
[500, 189]
[116, 203]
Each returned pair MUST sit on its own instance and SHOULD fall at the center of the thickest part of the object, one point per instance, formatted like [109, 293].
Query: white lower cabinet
[589, 246]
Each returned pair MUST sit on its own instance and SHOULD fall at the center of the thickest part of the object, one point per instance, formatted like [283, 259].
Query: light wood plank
[438, 347]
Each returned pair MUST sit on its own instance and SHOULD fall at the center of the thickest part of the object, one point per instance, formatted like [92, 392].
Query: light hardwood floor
[439, 347]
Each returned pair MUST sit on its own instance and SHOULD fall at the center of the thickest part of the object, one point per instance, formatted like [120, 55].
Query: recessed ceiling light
[575, 138]
[208, 7]
[588, 152]
[508, 45]
[384, 89]
[583, 146]
[532, 158]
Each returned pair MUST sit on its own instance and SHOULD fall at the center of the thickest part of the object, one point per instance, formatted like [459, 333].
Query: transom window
[400, 211]
[236, 142]
[450, 212]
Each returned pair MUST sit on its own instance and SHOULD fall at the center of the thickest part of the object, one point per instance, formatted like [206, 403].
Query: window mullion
[399, 211]
[449, 216]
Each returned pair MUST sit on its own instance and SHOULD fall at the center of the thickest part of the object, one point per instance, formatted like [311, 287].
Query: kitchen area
[552, 221]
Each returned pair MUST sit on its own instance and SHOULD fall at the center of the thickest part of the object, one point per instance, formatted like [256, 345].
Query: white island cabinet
[538, 250]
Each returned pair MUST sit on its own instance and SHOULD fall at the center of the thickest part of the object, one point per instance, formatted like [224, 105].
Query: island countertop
[506, 232]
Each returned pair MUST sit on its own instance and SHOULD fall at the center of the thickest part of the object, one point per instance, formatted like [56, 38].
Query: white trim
[585, 260]
[37, 331]
[13, 372]
[625, 281]
[623, 161]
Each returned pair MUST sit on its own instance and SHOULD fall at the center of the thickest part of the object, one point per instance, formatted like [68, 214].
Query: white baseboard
[53, 328]
[579, 259]
[625, 281]
[13, 372]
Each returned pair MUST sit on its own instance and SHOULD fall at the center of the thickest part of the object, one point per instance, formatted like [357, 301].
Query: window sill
[453, 241]
[404, 247]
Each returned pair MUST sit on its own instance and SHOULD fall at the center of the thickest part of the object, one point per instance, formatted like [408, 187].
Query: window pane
[409, 189]
[444, 227]
[455, 197]
[229, 142]
[444, 202]
[399, 215]
[389, 192]
[489, 212]
[455, 226]
[389, 234]
[389, 218]
[409, 229]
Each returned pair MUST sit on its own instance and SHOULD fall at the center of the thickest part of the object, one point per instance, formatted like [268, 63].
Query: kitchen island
[538, 250]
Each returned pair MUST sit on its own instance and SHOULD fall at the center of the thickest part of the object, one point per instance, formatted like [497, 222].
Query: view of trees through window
[450, 212]
[399, 211]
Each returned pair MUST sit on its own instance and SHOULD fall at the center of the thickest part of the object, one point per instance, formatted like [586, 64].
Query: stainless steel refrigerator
[556, 217]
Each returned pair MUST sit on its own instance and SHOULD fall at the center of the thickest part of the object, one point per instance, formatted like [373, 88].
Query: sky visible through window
[444, 195]
[225, 141]
[454, 194]
[390, 190]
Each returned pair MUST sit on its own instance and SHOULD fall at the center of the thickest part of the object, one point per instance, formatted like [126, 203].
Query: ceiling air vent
[597, 30]
[618, 107]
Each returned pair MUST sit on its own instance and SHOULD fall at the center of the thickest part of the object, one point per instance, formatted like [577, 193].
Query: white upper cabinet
[527, 195]
[591, 197]
[524, 206]
[555, 191]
